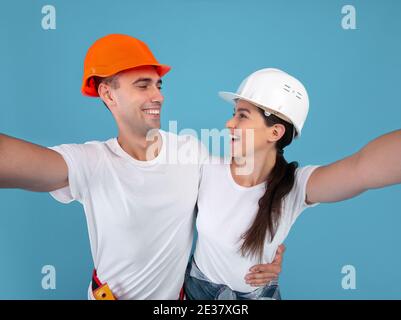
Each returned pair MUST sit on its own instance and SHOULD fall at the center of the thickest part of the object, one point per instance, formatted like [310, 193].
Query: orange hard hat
[114, 53]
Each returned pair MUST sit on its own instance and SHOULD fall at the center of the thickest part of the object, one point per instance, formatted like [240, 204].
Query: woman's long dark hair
[278, 185]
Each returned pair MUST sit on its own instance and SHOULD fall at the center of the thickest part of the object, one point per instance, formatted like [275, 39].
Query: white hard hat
[276, 92]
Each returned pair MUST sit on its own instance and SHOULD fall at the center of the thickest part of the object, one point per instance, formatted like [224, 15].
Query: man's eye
[241, 115]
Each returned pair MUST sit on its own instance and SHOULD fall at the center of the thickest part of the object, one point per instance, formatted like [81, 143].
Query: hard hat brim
[232, 97]
[90, 91]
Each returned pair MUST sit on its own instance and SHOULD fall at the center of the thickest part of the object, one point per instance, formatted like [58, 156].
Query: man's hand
[261, 274]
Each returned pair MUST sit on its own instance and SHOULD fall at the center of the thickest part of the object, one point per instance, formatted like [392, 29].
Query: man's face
[137, 100]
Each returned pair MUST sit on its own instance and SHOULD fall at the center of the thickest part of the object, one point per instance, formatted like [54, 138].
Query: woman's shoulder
[303, 173]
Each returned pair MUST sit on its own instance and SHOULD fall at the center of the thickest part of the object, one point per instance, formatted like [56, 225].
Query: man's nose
[157, 95]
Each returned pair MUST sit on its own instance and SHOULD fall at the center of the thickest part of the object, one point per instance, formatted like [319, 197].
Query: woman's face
[249, 132]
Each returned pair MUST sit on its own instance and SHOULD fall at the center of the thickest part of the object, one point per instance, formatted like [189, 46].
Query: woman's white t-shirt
[225, 211]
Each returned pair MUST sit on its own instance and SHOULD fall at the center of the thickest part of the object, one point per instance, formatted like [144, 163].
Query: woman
[247, 207]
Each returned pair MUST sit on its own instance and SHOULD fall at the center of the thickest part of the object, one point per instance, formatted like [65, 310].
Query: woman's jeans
[198, 287]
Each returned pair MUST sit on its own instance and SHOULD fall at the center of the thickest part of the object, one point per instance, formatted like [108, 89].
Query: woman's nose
[230, 124]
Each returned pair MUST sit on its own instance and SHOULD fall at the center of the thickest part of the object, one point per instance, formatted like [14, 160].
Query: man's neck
[138, 147]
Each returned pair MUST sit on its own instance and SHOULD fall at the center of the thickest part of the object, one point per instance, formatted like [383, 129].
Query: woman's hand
[261, 274]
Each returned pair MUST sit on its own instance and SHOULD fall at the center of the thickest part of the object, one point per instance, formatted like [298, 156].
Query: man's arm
[376, 165]
[29, 166]
[259, 275]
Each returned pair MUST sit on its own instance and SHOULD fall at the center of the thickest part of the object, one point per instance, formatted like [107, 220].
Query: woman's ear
[278, 131]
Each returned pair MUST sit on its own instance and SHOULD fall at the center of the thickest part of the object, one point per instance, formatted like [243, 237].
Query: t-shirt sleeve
[204, 159]
[81, 160]
[296, 200]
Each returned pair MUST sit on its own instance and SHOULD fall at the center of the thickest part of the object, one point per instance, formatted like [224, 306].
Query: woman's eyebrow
[243, 109]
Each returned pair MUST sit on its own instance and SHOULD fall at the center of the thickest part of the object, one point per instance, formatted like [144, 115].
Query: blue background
[353, 80]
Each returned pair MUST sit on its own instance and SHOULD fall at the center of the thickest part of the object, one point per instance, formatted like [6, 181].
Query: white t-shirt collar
[118, 150]
[239, 187]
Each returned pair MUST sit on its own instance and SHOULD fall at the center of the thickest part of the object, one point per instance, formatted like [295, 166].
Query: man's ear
[104, 91]
[277, 131]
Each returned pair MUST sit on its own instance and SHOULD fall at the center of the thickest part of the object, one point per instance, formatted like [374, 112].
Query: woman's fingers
[261, 279]
[278, 259]
[261, 275]
[259, 283]
[267, 267]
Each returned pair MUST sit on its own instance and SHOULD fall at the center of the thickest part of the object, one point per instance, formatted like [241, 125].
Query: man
[138, 203]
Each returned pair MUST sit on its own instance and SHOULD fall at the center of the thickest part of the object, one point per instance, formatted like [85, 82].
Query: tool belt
[182, 294]
[101, 291]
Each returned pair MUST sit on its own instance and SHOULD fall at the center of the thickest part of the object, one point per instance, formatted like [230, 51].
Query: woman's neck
[249, 172]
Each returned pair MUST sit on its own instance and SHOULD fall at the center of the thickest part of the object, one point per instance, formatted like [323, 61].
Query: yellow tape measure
[103, 293]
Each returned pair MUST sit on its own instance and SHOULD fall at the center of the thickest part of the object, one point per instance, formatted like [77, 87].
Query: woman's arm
[376, 165]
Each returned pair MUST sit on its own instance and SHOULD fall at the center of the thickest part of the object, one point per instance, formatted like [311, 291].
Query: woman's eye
[240, 115]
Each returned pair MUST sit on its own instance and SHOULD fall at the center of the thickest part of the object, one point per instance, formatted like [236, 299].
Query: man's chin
[153, 124]
[155, 127]
[152, 130]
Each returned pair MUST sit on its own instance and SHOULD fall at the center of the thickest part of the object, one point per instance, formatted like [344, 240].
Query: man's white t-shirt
[226, 210]
[139, 213]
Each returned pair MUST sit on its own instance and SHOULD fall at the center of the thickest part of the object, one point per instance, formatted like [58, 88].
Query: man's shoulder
[181, 137]
[92, 147]
[188, 146]
[96, 144]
